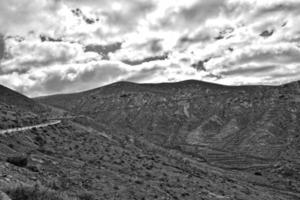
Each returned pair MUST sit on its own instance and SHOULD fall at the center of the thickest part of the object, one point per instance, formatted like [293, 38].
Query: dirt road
[53, 122]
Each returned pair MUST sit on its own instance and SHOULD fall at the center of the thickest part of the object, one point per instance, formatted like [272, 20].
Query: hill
[14, 98]
[257, 120]
[131, 141]
[17, 110]
[245, 128]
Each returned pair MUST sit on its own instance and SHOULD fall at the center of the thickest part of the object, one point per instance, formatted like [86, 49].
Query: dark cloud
[214, 76]
[15, 37]
[205, 35]
[104, 50]
[2, 47]
[194, 39]
[45, 38]
[77, 12]
[200, 65]
[155, 45]
[147, 59]
[250, 71]
[225, 33]
[267, 33]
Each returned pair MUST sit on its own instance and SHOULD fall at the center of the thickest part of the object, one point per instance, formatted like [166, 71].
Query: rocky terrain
[187, 140]
[258, 121]
[17, 110]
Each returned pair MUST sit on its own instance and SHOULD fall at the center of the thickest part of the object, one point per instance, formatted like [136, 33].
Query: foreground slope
[84, 164]
[253, 129]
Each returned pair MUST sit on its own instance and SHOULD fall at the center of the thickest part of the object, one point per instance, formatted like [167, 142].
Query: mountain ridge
[188, 82]
[162, 141]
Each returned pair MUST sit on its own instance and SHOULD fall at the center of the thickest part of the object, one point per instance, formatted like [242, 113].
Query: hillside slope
[14, 98]
[257, 120]
[79, 161]
[252, 128]
[17, 110]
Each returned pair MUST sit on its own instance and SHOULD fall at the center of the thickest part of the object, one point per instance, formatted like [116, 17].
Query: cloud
[103, 50]
[51, 46]
[2, 47]
[250, 70]
[148, 59]
[19, 17]
[118, 17]
[70, 78]
[27, 56]
[281, 54]
[146, 74]
[79, 79]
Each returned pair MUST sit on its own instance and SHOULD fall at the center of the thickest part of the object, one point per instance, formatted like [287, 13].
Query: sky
[63, 46]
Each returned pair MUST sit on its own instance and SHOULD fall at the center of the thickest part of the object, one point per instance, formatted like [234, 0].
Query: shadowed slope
[14, 98]
[17, 110]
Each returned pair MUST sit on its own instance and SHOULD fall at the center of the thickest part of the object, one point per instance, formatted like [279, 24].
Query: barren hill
[11, 97]
[261, 121]
[188, 140]
[18, 110]
[252, 128]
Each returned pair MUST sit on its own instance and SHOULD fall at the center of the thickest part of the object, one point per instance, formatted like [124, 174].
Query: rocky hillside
[17, 110]
[252, 128]
[261, 121]
[10, 97]
[165, 142]
[88, 164]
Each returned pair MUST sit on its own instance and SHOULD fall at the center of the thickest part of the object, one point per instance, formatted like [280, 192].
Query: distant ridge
[167, 85]
[11, 97]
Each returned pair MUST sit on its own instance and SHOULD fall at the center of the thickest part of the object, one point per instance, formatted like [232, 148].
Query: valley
[186, 140]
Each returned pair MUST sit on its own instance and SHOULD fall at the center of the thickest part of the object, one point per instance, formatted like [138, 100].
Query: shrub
[20, 161]
[258, 173]
[86, 196]
[22, 192]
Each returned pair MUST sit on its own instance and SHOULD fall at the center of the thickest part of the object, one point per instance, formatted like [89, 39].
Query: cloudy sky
[61, 46]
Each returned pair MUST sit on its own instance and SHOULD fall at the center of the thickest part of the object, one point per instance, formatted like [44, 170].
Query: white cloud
[235, 42]
[30, 55]
[20, 17]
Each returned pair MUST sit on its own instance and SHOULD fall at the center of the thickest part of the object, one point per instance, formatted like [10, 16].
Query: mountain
[246, 128]
[14, 98]
[186, 140]
[259, 121]
[18, 110]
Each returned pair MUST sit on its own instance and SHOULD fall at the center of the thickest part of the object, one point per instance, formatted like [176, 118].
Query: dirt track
[53, 122]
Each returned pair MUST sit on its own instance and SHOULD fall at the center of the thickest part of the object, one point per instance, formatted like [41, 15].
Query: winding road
[11, 130]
